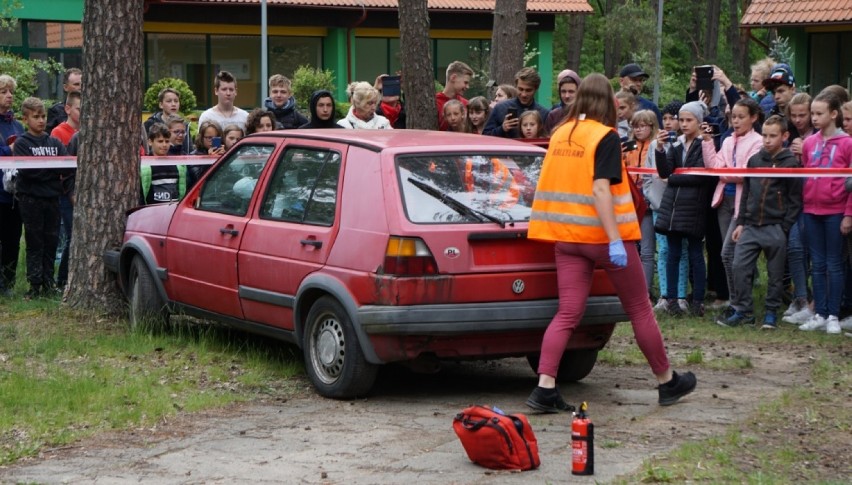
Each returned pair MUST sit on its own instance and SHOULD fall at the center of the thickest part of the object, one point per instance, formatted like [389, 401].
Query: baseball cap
[632, 70]
[568, 74]
[781, 74]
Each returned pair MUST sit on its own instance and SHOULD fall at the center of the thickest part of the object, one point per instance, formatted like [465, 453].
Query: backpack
[10, 177]
[497, 440]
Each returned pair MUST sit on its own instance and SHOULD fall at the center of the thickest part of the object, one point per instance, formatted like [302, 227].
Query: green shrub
[25, 72]
[341, 109]
[187, 97]
[307, 79]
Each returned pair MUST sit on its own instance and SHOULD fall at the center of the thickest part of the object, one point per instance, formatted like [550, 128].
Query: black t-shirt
[608, 159]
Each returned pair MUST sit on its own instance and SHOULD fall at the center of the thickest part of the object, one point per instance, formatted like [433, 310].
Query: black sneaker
[679, 386]
[696, 309]
[673, 308]
[547, 401]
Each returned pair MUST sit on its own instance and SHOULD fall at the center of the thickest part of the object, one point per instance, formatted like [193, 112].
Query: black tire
[333, 358]
[148, 311]
[574, 366]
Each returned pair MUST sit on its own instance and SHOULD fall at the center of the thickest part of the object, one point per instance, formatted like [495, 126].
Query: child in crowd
[65, 130]
[691, 195]
[478, 110]
[799, 312]
[847, 117]
[177, 141]
[828, 211]
[207, 133]
[282, 104]
[260, 120]
[37, 193]
[169, 103]
[161, 183]
[645, 129]
[532, 126]
[760, 71]
[654, 188]
[455, 116]
[503, 92]
[626, 106]
[735, 152]
[231, 134]
[769, 207]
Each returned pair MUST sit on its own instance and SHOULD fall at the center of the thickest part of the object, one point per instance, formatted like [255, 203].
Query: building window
[828, 64]
[286, 54]
[180, 56]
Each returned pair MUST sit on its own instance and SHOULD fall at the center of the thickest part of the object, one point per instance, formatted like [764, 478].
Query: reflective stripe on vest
[564, 205]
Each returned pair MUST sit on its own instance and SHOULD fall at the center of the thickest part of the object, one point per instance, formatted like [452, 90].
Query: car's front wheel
[147, 308]
[333, 358]
[574, 366]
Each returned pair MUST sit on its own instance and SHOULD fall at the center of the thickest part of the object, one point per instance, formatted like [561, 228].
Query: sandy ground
[403, 432]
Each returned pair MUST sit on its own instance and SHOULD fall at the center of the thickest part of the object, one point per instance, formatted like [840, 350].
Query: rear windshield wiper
[455, 204]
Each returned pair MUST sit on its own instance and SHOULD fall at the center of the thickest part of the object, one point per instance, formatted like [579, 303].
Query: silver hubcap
[328, 348]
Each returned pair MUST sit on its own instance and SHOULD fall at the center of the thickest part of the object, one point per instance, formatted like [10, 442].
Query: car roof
[379, 140]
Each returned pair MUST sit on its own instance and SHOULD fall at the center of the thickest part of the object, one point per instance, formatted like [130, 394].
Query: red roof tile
[764, 13]
[538, 6]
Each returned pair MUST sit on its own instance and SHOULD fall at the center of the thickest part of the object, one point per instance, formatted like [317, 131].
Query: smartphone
[216, 142]
[513, 113]
[391, 86]
[672, 136]
[628, 145]
[714, 129]
[704, 77]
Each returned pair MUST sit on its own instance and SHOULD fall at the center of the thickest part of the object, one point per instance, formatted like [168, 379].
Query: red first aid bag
[496, 440]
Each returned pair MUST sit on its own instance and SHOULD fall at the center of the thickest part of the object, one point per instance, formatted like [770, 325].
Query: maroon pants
[575, 264]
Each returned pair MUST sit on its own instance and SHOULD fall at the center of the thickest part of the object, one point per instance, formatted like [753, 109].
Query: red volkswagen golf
[362, 248]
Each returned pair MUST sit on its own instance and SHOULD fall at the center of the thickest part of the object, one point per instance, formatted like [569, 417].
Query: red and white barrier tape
[71, 162]
[752, 172]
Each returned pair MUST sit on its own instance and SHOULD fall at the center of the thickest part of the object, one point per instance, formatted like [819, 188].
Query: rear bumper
[476, 318]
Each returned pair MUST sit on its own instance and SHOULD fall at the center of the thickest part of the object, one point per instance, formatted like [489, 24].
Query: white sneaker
[683, 304]
[832, 325]
[817, 322]
[796, 306]
[661, 304]
[846, 323]
[800, 317]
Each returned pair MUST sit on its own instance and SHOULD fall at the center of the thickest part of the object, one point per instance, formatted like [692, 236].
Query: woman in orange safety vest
[583, 204]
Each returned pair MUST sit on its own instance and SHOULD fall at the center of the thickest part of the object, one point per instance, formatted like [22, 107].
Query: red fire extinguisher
[582, 443]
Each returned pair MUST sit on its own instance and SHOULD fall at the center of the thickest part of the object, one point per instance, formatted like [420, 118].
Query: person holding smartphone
[504, 120]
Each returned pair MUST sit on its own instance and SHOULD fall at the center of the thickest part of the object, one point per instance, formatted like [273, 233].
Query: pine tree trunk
[612, 45]
[711, 40]
[108, 159]
[576, 31]
[507, 40]
[739, 38]
[417, 71]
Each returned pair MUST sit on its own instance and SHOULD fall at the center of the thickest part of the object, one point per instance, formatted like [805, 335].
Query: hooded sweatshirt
[315, 121]
[823, 196]
[40, 182]
[735, 153]
[286, 115]
[377, 122]
[771, 200]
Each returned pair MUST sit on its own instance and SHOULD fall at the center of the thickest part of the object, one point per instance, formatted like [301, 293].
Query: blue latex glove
[617, 254]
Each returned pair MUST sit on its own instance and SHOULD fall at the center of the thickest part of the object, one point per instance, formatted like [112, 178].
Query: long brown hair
[595, 100]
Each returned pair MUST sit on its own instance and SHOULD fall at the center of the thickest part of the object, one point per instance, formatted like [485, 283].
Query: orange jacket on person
[500, 181]
[636, 158]
[564, 206]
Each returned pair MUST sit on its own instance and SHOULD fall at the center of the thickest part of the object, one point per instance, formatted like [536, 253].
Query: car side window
[303, 187]
[229, 189]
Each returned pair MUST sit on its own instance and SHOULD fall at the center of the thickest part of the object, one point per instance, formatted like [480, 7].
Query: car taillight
[409, 256]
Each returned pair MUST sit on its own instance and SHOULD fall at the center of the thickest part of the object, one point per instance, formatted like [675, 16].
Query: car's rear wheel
[335, 363]
[574, 366]
[147, 309]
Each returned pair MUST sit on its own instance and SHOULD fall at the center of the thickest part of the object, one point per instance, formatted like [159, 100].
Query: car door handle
[229, 231]
[311, 242]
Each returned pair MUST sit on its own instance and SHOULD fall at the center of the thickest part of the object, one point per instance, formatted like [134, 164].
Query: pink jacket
[747, 146]
[827, 195]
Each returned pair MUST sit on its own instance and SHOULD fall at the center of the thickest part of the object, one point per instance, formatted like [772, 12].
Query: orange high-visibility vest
[564, 205]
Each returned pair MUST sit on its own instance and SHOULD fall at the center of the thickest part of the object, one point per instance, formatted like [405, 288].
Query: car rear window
[468, 188]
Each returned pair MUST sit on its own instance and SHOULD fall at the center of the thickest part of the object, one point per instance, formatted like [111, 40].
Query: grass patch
[65, 375]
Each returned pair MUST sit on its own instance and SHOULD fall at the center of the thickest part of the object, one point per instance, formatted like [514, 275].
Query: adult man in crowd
[72, 80]
[225, 113]
[568, 81]
[458, 80]
[632, 79]
[783, 86]
[504, 118]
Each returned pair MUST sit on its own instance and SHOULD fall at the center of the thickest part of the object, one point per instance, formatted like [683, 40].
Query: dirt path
[403, 433]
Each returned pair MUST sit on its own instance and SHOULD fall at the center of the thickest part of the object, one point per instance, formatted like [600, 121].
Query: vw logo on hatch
[518, 286]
